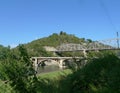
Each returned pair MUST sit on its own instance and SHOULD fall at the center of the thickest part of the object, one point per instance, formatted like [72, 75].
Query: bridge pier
[61, 63]
[85, 53]
[35, 63]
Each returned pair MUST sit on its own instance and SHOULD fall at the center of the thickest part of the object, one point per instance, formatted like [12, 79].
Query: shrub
[98, 76]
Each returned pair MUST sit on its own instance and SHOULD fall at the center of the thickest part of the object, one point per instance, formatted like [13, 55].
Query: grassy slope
[54, 75]
[52, 82]
[45, 80]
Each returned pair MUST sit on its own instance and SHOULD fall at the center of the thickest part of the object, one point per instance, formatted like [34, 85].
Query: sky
[22, 21]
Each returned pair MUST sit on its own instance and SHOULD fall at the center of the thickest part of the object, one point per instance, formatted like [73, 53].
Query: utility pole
[118, 39]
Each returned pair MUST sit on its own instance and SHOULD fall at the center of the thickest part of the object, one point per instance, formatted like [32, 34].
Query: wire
[107, 14]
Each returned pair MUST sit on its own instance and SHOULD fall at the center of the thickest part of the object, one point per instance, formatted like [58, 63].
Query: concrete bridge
[60, 61]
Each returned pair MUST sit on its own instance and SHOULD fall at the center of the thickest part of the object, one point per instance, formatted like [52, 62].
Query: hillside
[36, 47]
[56, 39]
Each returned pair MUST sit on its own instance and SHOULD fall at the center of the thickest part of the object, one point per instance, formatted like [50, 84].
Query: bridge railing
[110, 43]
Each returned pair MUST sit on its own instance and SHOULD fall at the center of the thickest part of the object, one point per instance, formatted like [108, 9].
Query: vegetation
[17, 75]
[52, 82]
[36, 47]
[3, 52]
[100, 75]
[18, 72]
[5, 88]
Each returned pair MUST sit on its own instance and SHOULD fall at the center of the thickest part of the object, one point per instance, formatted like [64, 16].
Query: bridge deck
[99, 49]
[56, 57]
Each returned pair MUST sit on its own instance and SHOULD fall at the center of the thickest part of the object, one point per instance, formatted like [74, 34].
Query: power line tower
[117, 39]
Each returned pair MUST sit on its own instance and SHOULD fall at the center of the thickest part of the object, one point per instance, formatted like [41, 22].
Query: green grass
[55, 74]
[51, 82]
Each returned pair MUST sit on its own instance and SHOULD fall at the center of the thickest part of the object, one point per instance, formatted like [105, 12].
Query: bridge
[109, 44]
[60, 61]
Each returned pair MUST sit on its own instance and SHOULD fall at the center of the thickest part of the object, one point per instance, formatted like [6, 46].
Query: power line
[107, 14]
[110, 20]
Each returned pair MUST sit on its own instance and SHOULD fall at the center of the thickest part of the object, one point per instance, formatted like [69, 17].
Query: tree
[62, 33]
[3, 52]
[89, 40]
[19, 73]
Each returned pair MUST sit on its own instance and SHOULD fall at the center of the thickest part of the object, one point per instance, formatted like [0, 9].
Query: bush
[98, 76]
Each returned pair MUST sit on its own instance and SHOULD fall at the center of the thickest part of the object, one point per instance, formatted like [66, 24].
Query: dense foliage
[98, 76]
[18, 71]
[3, 52]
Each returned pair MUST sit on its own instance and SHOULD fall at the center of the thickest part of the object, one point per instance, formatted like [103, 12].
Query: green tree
[89, 40]
[3, 52]
[19, 73]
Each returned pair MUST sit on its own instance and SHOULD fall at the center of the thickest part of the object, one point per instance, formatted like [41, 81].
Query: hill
[36, 47]
[56, 39]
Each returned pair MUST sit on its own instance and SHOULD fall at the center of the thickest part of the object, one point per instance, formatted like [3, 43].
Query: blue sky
[22, 21]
